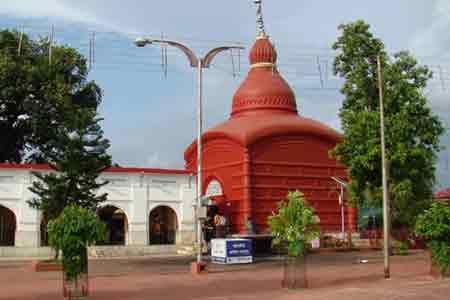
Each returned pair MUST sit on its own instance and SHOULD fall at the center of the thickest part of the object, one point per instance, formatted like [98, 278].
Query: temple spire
[259, 19]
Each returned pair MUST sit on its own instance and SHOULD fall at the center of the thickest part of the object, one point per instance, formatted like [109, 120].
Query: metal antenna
[232, 63]
[441, 75]
[19, 49]
[320, 71]
[93, 47]
[165, 61]
[239, 61]
[50, 45]
[259, 19]
[90, 53]
[162, 53]
[164, 56]
[273, 59]
[446, 162]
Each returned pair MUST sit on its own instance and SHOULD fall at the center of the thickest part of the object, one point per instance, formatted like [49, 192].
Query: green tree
[73, 231]
[412, 130]
[78, 156]
[295, 224]
[36, 96]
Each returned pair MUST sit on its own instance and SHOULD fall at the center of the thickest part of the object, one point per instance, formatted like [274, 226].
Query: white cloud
[434, 39]
[154, 160]
[45, 8]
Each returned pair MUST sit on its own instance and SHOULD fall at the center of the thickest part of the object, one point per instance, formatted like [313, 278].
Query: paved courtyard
[331, 276]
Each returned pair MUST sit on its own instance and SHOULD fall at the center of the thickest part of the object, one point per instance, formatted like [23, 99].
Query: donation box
[231, 251]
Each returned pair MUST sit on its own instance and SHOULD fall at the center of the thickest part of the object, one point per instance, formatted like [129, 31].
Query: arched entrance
[163, 226]
[7, 226]
[117, 225]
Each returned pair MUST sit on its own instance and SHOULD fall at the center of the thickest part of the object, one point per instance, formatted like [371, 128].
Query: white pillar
[137, 222]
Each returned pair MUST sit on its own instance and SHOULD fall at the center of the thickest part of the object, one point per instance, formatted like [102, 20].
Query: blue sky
[150, 119]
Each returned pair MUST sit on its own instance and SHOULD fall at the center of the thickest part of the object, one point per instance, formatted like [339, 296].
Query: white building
[145, 208]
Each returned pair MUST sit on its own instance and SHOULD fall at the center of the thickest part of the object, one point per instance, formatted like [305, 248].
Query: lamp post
[385, 175]
[342, 185]
[200, 63]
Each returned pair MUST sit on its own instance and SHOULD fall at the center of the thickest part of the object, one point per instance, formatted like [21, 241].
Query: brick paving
[331, 276]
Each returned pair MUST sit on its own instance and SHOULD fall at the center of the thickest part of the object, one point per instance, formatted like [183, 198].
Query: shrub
[401, 247]
[434, 226]
[295, 224]
[73, 231]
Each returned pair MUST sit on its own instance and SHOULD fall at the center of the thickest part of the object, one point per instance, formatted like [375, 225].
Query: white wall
[135, 193]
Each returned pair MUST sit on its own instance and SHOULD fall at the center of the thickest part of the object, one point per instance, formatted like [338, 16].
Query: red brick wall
[287, 163]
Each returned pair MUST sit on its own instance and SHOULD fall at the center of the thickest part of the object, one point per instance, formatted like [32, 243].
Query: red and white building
[265, 149]
[135, 197]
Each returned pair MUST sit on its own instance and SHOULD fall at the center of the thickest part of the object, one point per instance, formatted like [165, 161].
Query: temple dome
[263, 51]
[264, 90]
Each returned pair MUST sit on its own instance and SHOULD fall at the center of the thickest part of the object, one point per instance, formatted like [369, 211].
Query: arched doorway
[117, 225]
[163, 226]
[7, 226]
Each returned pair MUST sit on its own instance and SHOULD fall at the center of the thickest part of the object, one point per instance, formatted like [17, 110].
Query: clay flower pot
[77, 288]
[294, 272]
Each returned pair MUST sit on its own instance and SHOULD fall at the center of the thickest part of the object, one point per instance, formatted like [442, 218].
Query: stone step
[132, 251]
[186, 250]
[99, 251]
[362, 243]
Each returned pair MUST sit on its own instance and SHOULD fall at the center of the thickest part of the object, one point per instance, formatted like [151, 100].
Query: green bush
[434, 226]
[73, 231]
[401, 247]
[295, 224]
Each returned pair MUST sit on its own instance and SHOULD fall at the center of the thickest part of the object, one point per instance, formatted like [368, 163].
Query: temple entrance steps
[25, 252]
[186, 250]
[100, 251]
[132, 251]
[362, 243]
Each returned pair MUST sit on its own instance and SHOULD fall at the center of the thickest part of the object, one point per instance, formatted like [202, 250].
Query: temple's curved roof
[264, 90]
[265, 105]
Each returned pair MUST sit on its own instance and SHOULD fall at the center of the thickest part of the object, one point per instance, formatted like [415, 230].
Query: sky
[150, 118]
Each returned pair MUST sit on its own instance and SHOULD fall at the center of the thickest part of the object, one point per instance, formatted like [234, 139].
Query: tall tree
[78, 156]
[36, 95]
[412, 130]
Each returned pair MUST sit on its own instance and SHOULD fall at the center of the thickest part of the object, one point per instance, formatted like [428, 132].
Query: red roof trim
[443, 194]
[45, 167]
[24, 166]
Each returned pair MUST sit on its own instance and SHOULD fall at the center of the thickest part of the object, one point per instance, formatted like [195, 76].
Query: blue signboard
[237, 248]
[231, 251]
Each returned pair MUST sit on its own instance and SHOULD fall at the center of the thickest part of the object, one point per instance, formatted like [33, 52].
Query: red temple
[265, 149]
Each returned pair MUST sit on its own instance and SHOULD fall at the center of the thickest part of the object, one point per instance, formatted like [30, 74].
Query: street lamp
[385, 175]
[342, 185]
[200, 63]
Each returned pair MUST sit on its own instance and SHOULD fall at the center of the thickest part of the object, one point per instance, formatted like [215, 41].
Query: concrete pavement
[331, 276]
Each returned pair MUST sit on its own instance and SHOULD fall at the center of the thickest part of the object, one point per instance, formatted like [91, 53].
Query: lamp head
[141, 42]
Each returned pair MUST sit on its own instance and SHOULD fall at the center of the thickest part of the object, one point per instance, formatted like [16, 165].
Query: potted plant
[295, 225]
[73, 231]
[433, 225]
[400, 247]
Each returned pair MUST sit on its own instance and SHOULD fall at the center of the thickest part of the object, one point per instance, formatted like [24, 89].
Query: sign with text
[231, 251]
